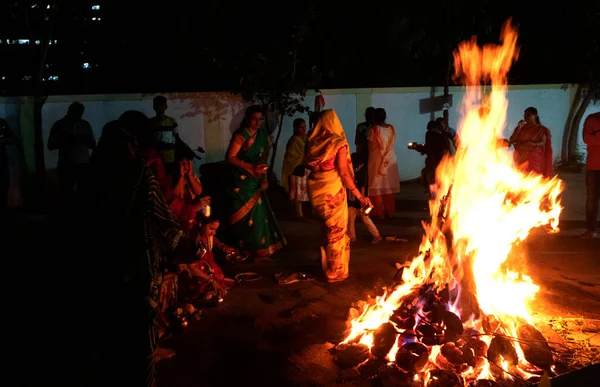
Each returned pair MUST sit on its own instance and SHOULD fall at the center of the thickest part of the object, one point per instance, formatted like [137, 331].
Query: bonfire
[458, 312]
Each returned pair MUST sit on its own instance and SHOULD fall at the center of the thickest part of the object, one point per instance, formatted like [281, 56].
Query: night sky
[228, 45]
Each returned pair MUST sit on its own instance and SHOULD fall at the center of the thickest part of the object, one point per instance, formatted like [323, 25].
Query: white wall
[208, 119]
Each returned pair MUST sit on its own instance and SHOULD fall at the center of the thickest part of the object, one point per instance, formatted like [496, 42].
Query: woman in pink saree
[533, 145]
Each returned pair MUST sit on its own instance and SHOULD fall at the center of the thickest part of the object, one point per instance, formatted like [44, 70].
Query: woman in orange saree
[533, 145]
[328, 158]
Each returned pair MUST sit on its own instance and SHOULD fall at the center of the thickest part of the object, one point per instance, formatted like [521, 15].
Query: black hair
[250, 111]
[533, 111]
[379, 116]
[76, 109]
[297, 122]
[433, 124]
[369, 112]
[159, 99]
[202, 220]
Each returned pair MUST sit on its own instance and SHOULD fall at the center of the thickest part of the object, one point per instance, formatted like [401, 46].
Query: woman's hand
[365, 201]
[190, 167]
[204, 201]
[183, 168]
[229, 250]
[257, 170]
[218, 289]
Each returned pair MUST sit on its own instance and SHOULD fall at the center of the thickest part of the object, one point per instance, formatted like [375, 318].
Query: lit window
[3, 77]
[13, 42]
[23, 41]
[34, 6]
[55, 41]
[53, 78]
[86, 65]
[95, 7]
[0, 41]
[94, 18]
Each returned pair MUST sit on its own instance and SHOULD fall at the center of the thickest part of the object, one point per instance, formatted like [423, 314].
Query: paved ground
[264, 333]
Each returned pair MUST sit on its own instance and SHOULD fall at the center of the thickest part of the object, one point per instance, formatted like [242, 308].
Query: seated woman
[186, 201]
[202, 278]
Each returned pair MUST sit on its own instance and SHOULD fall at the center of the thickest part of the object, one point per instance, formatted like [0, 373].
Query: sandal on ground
[292, 278]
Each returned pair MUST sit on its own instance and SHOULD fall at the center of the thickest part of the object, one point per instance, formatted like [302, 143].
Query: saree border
[245, 209]
[270, 250]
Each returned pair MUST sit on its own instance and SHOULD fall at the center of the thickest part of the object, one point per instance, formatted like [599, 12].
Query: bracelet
[211, 279]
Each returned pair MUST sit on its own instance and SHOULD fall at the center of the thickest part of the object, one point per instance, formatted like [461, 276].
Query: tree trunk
[447, 87]
[574, 131]
[275, 143]
[564, 153]
[38, 143]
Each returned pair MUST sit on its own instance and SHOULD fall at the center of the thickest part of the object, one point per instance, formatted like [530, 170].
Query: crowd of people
[155, 235]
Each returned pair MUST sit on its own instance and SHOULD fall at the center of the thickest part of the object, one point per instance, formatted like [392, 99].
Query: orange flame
[484, 206]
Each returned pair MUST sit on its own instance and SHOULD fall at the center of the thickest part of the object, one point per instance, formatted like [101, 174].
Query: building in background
[73, 32]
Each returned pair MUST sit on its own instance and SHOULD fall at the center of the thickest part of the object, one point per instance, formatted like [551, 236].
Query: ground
[265, 333]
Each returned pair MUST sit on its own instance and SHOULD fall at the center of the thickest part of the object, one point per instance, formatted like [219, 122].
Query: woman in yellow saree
[328, 158]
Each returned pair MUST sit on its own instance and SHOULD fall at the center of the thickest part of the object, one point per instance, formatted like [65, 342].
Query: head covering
[327, 139]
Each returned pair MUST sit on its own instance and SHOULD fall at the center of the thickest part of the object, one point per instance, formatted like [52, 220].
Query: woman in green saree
[252, 226]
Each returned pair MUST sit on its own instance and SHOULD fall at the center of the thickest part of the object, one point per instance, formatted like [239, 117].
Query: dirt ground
[265, 333]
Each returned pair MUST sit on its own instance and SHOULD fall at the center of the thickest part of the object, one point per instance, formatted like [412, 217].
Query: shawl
[327, 139]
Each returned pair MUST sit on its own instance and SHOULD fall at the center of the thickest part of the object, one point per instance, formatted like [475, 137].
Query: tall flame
[484, 206]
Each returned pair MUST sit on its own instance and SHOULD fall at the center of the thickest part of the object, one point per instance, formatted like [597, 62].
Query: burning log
[501, 349]
[442, 378]
[404, 318]
[452, 353]
[453, 327]
[392, 376]
[372, 368]
[412, 357]
[535, 347]
[348, 356]
[483, 383]
[384, 339]
[490, 324]
[430, 334]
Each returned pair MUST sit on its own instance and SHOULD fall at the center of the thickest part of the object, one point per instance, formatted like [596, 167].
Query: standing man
[362, 132]
[166, 135]
[591, 136]
[362, 143]
[73, 137]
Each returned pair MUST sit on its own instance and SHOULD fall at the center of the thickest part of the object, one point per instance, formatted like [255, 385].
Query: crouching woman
[201, 278]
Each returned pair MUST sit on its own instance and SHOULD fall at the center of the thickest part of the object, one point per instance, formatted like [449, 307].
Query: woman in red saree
[533, 145]
[203, 278]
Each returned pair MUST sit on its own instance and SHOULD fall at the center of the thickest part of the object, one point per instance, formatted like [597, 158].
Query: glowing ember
[459, 305]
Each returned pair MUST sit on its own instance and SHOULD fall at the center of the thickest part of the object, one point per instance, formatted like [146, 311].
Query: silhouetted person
[7, 137]
[73, 137]
[437, 144]
[591, 136]
[362, 132]
[130, 227]
[165, 133]
[448, 131]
